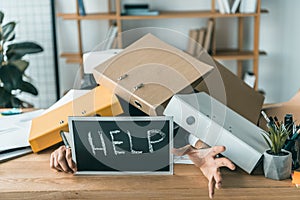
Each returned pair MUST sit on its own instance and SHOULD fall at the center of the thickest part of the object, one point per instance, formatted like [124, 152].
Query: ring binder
[122, 77]
[45, 129]
[139, 86]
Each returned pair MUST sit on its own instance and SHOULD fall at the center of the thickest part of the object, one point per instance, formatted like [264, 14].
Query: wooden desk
[30, 177]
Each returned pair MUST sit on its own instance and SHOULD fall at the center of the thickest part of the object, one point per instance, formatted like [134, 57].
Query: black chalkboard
[117, 145]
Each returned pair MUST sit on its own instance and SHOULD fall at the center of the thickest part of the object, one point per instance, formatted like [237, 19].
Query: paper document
[14, 130]
[70, 96]
[7, 155]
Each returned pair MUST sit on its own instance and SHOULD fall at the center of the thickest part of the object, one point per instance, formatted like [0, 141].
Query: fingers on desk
[71, 163]
[218, 179]
[214, 181]
[215, 150]
[183, 150]
[59, 161]
[224, 162]
[211, 187]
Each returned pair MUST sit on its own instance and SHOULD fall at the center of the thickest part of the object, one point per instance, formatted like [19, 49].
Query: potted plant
[13, 66]
[277, 162]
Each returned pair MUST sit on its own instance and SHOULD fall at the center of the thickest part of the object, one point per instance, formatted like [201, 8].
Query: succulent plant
[276, 137]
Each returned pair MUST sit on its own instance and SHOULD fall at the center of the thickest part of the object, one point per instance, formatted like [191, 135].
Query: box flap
[227, 88]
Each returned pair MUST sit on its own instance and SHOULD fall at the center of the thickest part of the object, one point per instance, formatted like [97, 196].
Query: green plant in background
[12, 66]
[276, 137]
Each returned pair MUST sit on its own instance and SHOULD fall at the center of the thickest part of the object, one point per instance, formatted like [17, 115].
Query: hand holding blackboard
[61, 160]
[119, 145]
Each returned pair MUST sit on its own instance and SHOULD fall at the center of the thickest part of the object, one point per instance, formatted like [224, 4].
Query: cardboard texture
[45, 128]
[215, 124]
[281, 109]
[149, 72]
[233, 92]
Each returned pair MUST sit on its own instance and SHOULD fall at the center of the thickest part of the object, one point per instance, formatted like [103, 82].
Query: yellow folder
[45, 128]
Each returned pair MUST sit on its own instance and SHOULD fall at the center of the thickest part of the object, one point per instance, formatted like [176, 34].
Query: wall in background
[280, 30]
[278, 37]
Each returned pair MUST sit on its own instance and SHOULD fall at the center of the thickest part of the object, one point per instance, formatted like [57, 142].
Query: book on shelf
[110, 38]
[226, 5]
[248, 6]
[249, 79]
[193, 36]
[139, 10]
[81, 8]
[209, 35]
[232, 6]
[136, 6]
[235, 6]
[200, 41]
[142, 13]
[221, 7]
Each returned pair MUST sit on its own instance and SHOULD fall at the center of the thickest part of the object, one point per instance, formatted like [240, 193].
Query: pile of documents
[14, 133]
[150, 74]
[158, 79]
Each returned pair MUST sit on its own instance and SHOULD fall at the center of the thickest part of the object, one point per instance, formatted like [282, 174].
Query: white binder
[216, 124]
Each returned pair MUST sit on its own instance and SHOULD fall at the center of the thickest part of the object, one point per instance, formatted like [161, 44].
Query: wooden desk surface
[30, 177]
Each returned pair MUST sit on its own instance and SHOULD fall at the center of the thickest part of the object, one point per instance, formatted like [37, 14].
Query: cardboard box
[233, 92]
[215, 124]
[149, 72]
[45, 129]
[281, 109]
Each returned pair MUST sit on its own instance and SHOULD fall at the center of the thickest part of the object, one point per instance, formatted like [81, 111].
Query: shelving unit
[238, 54]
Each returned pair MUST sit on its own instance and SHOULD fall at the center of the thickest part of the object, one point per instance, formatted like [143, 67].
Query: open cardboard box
[281, 109]
[233, 92]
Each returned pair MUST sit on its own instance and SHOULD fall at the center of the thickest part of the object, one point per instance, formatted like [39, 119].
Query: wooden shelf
[114, 16]
[72, 57]
[228, 54]
[96, 16]
[187, 14]
[162, 15]
[234, 54]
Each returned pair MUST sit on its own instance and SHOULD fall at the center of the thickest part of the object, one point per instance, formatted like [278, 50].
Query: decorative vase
[277, 167]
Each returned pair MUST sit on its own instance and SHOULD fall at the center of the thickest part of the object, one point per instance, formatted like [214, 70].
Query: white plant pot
[277, 167]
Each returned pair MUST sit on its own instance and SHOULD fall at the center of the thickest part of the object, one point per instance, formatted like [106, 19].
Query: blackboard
[122, 145]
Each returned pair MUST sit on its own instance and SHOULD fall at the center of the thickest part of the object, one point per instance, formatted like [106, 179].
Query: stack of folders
[200, 39]
[138, 9]
[233, 6]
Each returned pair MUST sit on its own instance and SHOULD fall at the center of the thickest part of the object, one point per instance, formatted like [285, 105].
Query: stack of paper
[14, 133]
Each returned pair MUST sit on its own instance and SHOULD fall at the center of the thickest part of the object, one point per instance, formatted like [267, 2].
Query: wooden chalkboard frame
[129, 119]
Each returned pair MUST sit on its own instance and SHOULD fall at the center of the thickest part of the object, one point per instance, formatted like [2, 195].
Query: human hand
[206, 160]
[61, 160]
